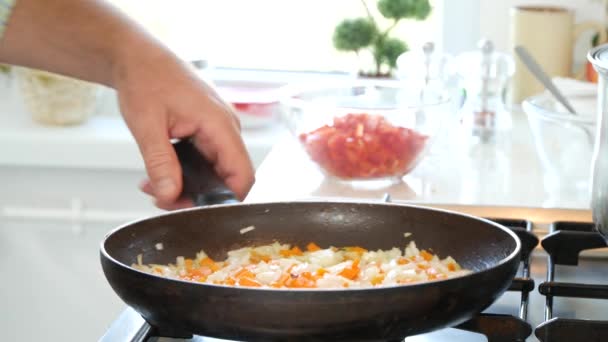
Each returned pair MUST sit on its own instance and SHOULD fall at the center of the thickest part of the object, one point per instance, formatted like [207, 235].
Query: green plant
[355, 35]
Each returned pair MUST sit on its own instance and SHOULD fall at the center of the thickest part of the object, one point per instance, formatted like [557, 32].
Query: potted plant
[356, 35]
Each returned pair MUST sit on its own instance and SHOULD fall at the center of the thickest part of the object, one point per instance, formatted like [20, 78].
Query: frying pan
[182, 308]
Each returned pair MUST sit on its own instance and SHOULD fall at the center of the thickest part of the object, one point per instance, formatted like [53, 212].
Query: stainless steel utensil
[542, 77]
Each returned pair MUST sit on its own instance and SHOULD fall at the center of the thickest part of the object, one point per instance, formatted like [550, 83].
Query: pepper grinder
[485, 73]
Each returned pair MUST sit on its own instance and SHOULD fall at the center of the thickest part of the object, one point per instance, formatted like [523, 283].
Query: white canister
[549, 34]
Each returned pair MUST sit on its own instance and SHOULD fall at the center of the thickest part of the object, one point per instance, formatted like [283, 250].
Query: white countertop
[448, 175]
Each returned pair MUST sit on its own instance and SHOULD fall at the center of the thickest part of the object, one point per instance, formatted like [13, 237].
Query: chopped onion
[247, 229]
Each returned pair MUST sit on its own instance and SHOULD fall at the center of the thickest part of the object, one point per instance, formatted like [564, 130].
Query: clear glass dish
[563, 141]
[366, 130]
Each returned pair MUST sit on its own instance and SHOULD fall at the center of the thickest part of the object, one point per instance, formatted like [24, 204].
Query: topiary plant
[354, 35]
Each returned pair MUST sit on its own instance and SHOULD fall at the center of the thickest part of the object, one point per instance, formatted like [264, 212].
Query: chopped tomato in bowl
[364, 146]
[361, 130]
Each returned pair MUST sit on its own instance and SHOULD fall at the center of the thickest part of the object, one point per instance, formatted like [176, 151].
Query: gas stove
[556, 295]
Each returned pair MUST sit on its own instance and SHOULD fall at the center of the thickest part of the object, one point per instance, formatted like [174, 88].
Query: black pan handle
[200, 181]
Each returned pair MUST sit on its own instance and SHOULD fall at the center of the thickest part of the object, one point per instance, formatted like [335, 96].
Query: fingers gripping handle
[200, 181]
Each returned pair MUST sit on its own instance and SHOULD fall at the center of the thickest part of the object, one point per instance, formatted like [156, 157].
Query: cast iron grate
[563, 245]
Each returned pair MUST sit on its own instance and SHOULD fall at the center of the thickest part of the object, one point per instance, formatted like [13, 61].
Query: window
[266, 34]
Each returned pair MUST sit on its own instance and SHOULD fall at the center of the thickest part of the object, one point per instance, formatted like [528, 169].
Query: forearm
[86, 39]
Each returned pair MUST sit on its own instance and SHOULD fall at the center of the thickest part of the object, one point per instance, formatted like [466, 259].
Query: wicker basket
[54, 99]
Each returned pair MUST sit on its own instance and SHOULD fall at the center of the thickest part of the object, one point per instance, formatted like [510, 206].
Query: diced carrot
[206, 261]
[351, 272]
[451, 266]
[200, 272]
[281, 281]
[244, 273]
[210, 263]
[256, 257]
[306, 275]
[304, 280]
[403, 261]
[289, 252]
[158, 269]
[321, 272]
[247, 281]
[312, 247]
[426, 255]
[188, 263]
[230, 281]
[423, 266]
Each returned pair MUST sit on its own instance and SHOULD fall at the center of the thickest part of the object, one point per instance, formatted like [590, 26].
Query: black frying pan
[390, 313]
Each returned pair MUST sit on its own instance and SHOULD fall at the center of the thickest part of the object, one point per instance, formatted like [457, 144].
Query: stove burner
[563, 245]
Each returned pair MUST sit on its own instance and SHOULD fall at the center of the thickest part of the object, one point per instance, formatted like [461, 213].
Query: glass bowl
[365, 130]
[563, 141]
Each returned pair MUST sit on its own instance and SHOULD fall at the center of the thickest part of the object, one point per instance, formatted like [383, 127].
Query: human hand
[161, 98]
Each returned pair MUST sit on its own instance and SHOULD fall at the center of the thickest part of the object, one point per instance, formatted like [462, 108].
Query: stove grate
[563, 245]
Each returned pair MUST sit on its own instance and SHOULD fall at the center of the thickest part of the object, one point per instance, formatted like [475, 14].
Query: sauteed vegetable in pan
[282, 266]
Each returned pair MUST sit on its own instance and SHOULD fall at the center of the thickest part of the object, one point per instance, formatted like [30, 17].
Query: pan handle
[200, 181]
